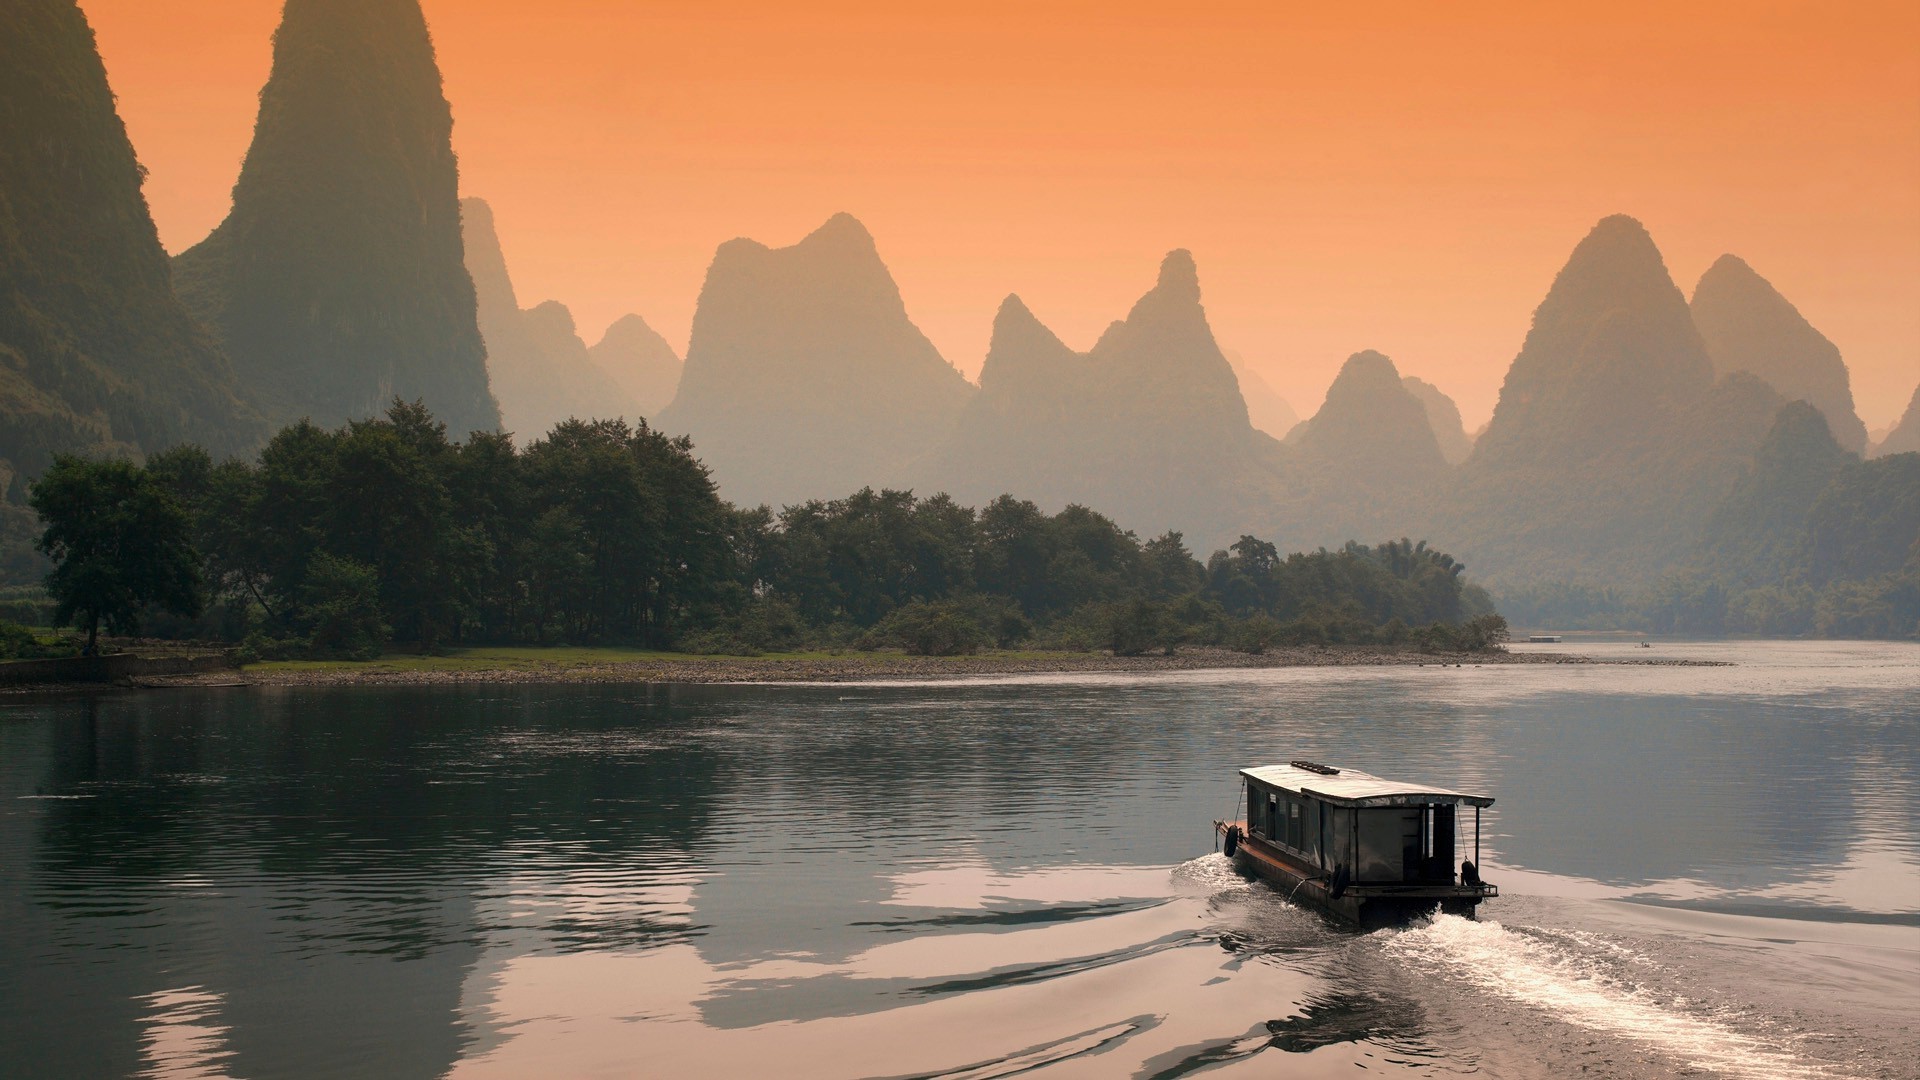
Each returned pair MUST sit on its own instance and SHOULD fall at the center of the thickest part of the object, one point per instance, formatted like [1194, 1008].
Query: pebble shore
[867, 667]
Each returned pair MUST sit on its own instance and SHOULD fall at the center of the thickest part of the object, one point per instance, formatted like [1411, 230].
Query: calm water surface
[1705, 872]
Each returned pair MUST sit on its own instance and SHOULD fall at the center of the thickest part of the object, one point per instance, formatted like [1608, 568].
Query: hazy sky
[1399, 176]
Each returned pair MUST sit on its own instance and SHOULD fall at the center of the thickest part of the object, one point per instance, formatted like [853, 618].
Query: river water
[1705, 871]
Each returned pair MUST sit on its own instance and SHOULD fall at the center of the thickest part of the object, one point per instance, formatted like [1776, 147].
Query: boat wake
[1596, 984]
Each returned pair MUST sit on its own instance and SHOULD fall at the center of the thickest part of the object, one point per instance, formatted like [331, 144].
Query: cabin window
[1295, 825]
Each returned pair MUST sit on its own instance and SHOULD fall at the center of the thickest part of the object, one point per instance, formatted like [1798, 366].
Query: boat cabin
[1363, 841]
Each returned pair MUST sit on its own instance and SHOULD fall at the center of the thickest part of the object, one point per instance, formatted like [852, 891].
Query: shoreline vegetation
[387, 536]
[562, 665]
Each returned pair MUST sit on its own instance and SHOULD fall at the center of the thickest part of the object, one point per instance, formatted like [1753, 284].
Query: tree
[120, 544]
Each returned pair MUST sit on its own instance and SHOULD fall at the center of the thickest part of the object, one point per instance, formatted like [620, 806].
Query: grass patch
[531, 657]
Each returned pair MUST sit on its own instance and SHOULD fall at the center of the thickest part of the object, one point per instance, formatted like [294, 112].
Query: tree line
[341, 543]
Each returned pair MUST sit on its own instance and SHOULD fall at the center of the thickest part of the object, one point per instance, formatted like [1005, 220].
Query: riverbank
[570, 665]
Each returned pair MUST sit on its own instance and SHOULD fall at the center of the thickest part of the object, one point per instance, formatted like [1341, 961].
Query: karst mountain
[1149, 425]
[1612, 441]
[1762, 524]
[338, 283]
[1268, 411]
[1368, 464]
[97, 355]
[1905, 436]
[1444, 416]
[645, 366]
[805, 378]
[1748, 326]
[539, 368]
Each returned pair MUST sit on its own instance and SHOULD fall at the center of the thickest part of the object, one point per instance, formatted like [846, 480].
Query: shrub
[1253, 635]
[947, 628]
[1483, 633]
[19, 643]
[1138, 627]
[343, 609]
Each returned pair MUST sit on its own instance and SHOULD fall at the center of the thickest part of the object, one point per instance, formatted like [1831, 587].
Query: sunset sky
[1403, 177]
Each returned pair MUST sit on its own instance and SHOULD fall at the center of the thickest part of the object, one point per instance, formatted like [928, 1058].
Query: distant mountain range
[805, 379]
[1149, 425]
[1639, 433]
[1748, 326]
[1268, 411]
[540, 370]
[1905, 436]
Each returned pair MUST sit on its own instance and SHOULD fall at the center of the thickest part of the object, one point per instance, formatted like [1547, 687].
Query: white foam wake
[1581, 988]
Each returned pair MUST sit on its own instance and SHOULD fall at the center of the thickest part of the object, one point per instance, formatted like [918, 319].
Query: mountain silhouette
[1149, 425]
[1368, 461]
[539, 368]
[641, 361]
[1748, 326]
[1268, 411]
[1611, 442]
[1761, 526]
[1905, 436]
[97, 355]
[337, 282]
[805, 379]
[1444, 416]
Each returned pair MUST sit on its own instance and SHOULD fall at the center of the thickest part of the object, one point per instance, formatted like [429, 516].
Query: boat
[1362, 849]
[1544, 639]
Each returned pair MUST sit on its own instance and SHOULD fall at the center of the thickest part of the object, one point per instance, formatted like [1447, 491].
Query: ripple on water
[1594, 983]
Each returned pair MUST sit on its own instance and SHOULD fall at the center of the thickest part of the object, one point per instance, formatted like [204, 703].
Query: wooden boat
[1365, 850]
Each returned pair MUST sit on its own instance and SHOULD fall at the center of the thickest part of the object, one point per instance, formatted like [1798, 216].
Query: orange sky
[1398, 176]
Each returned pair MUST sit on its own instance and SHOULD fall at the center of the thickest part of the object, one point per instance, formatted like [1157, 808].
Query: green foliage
[335, 542]
[1812, 541]
[19, 643]
[342, 609]
[27, 605]
[120, 544]
[1140, 626]
[944, 628]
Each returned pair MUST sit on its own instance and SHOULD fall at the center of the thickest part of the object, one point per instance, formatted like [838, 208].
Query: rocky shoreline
[867, 667]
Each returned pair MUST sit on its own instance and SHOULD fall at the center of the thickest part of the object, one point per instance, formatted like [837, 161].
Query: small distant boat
[1369, 851]
[1544, 639]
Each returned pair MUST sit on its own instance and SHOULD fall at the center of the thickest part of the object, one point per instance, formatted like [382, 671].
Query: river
[1705, 871]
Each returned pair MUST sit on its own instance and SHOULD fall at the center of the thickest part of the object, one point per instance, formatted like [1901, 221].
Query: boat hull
[1370, 907]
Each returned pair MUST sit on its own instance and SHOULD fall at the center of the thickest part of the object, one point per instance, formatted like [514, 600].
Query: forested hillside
[338, 279]
[96, 354]
[1612, 441]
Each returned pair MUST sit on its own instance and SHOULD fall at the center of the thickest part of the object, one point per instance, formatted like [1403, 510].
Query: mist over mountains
[1905, 436]
[1268, 411]
[805, 378]
[635, 356]
[539, 369]
[1748, 326]
[1612, 439]
[1148, 425]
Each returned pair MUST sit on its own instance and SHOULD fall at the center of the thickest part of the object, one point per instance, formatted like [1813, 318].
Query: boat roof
[1350, 787]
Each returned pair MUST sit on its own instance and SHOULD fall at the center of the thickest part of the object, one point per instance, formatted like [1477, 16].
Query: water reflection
[876, 880]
